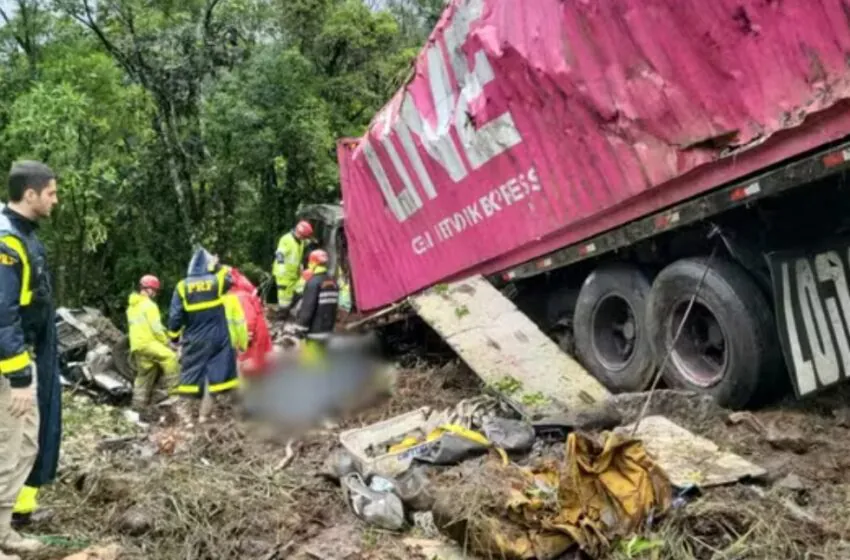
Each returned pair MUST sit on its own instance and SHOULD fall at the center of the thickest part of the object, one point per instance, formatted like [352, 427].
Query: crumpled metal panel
[531, 125]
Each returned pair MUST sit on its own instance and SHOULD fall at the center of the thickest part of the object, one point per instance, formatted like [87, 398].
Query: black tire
[609, 328]
[731, 309]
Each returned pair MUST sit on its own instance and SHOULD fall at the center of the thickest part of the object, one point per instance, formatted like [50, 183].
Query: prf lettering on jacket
[199, 286]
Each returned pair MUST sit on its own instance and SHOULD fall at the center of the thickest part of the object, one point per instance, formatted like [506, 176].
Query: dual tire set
[625, 323]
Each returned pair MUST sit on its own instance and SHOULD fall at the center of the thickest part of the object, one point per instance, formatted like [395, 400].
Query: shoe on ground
[17, 543]
[24, 519]
[9, 556]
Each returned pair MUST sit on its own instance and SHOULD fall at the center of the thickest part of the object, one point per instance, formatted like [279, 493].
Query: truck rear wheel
[728, 342]
[608, 325]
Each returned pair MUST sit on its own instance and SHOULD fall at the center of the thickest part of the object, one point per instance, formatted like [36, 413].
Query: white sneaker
[15, 542]
[9, 556]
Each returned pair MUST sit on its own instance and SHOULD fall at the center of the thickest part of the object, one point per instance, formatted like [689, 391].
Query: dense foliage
[173, 122]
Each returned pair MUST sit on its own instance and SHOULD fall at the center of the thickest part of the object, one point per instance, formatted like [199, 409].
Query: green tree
[172, 123]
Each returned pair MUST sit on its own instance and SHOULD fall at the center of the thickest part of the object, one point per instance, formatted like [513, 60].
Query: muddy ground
[225, 494]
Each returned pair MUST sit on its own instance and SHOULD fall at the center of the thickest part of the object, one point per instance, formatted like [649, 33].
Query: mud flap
[507, 350]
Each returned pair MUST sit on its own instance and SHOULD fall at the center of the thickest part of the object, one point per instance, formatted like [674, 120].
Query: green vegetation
[194, 121]
[534, 399]
[508, 385]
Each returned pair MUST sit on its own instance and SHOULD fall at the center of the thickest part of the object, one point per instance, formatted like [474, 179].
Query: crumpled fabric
[604, 490]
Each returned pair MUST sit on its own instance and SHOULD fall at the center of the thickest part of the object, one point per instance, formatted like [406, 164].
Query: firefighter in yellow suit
[287, 262]
[149, 343]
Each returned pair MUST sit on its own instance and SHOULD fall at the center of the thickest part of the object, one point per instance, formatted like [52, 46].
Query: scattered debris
[94, 355]
[785, 439]
[793, 483]
[375, 502]
[498, 341]
[690, 459]
[433, 549]
[223, 492]
[603, 490]
[111, 552]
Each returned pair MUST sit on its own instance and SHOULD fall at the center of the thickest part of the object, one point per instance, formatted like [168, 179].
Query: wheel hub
[701, 353]
[614, 332]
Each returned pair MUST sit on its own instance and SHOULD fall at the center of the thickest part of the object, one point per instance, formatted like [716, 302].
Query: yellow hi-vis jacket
[236, 324]
[144, 322]
[287, 265]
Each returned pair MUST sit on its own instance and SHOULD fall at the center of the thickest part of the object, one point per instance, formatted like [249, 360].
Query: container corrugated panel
[528, 125]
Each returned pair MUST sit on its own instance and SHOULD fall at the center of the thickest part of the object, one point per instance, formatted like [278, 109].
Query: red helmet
[319, 256]
[303, 229]
[150, 282]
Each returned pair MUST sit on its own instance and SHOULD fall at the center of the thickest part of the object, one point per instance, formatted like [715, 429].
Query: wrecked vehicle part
[93, 355]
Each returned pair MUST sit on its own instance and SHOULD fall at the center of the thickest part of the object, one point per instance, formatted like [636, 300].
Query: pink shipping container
[530, 125]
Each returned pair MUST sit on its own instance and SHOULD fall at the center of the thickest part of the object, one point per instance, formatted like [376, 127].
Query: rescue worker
[30, 390]
[149, 348]
[299, 288]
[198, 317]
[259, 339]
[316, 318]
[287, 263]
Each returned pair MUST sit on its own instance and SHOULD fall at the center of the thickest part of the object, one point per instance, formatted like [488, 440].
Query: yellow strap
[15, 244]
[227, 385]
[15, 363]
[471, 435]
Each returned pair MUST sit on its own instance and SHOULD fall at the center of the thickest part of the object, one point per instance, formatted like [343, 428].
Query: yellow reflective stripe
[186, 390]
[15, 244]
[227, 385]
[202, 306]
[190, 307]
[174, 334]
[15, 363]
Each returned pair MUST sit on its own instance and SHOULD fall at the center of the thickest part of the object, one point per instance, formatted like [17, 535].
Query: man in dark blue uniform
[30, 391]
[197, 316]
